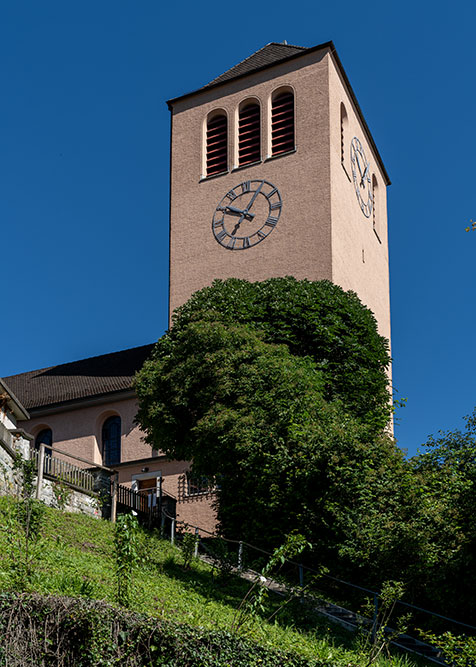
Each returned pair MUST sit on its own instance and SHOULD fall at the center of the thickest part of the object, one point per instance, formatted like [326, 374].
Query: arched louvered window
[249, 134]
[344, 131]
[111, 441]
[375, 211]
[217, 144]
[282, 123]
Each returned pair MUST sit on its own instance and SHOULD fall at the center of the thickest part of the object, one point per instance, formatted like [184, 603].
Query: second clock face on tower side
[361, 176]
[247, 214]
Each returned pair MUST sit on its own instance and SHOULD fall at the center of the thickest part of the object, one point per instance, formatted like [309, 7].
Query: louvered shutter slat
[282, 123]
[249, 134]
[217, 145]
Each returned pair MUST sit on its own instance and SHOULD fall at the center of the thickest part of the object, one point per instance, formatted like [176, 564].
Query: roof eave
[361, 115]
[82, 402]
[212, 86]
[14, 404]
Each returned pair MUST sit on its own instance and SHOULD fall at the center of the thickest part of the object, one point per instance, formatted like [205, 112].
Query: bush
[41, 631]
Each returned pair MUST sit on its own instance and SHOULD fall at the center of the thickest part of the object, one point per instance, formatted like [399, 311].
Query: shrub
[41, 631]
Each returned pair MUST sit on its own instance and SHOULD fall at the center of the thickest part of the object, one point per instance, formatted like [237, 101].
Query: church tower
[274, 172]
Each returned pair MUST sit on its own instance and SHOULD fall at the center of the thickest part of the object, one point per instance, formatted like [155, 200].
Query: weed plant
[78, 560]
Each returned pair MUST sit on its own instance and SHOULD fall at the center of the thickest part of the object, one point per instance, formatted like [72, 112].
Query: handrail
[433, 613]
[77, 458]
[327, 576]
[81, 478]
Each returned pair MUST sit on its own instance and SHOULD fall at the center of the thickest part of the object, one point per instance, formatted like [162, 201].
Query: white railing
[64, 471]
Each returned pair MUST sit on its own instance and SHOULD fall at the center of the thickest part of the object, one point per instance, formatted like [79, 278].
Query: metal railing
[133, 500]
[60, 469]
[247, 557]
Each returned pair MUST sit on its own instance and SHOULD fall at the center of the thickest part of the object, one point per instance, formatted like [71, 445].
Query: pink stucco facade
[77, 431]
[322, 232]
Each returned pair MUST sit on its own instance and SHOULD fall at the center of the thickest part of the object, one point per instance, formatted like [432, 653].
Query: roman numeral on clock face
[221, 235]
[231, 195]
[276, 205]
[245, 187]
[271, 222]
[246, 242]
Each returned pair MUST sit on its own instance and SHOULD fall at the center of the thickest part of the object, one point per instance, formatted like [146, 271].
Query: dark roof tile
[270, 54]
[79, 379]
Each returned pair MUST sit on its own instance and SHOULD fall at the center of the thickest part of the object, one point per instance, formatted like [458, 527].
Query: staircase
[352, 621]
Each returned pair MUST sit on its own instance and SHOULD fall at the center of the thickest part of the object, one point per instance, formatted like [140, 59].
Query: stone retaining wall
[6, 468]
[78, 501]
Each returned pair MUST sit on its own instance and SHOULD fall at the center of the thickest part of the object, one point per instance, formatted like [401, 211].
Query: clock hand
[365, 173]
[254, 197]
[239, 211]
[233, 209]
[237, 226]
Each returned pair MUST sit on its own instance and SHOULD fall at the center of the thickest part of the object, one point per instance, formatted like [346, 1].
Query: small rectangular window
[197, 486]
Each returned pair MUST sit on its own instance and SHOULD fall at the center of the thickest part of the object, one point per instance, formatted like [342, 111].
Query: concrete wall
[12, 442]
[6, 469]
[78, 501]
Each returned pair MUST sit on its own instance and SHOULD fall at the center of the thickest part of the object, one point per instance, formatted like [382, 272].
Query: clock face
[362, 177]
[247, 214]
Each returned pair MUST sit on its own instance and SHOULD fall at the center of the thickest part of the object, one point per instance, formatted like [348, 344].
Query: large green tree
[315, 319]
[261, 386]
[279, 390]
[446, 468]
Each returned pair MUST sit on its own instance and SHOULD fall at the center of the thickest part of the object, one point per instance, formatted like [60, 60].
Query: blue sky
[84, 158]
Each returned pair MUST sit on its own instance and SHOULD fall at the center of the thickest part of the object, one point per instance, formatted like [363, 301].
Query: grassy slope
[76, 558]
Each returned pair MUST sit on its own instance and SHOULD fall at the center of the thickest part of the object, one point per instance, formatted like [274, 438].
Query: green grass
[76, 558]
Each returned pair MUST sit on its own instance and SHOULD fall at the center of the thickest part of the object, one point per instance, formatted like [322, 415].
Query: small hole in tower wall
[363, 256]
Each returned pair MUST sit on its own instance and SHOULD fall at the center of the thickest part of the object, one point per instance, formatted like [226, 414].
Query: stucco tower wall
[359, 252]
[301, 243]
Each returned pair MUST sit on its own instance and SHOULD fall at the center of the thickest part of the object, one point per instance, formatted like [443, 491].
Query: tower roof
[270, 54]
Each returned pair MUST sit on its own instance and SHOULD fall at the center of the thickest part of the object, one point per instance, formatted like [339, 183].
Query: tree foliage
[315, 319]
[257, 384]
[279, 391]
[447, 470]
